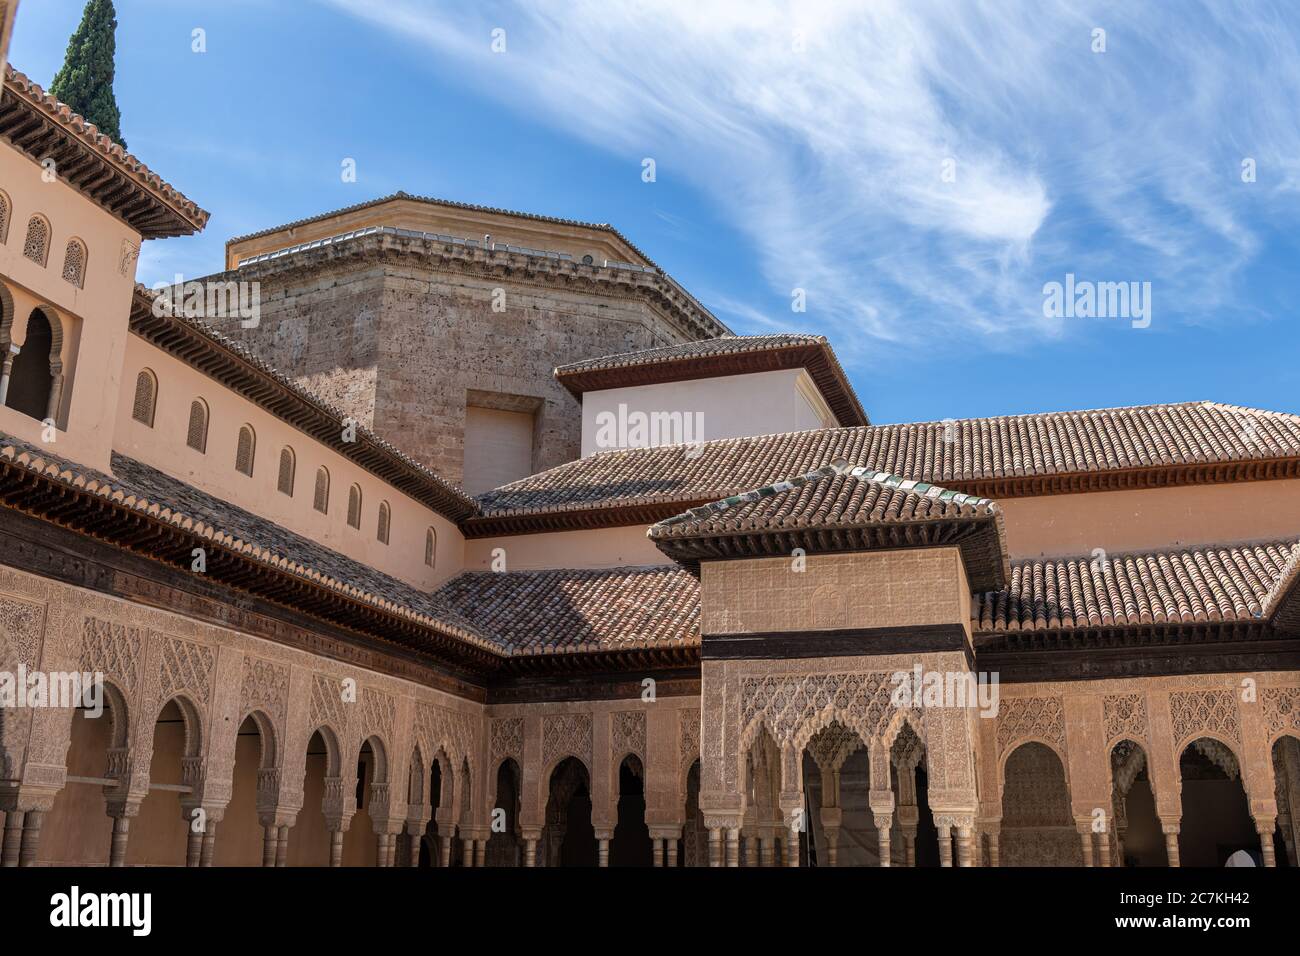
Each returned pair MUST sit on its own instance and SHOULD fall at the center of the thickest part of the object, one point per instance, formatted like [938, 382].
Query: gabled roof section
[567, 611]
[239, 369]
[713, 358]
[836, 509]
[43, 128]
[1147, 446]
[447, 204]
[1218, 585]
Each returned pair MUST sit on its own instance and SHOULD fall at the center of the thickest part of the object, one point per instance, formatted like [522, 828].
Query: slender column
[193, 846]
[336, 847]
[467, 852]
[445, 856]
[1171, 842]
[715, 846]
[209, 844]
[751, 850]
[7, 372]
[282, 846]
[672, 852]
[13, 839]
[270, 841]
[1265, 828]
[945, 844]
[733, 846]
[964, 840]
[480, 853]
[32, 838]
[909, 846]
[1085, 842]
[121, 833]
[883, 823]
[1103, 848]
[603, 836]
[994, 834]
[530, 851]
[413, 857]
[765, 851]
[792, 848]
[657, 851]
[381, 850]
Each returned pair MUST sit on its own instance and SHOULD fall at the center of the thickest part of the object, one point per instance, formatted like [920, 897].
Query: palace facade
[481, 541]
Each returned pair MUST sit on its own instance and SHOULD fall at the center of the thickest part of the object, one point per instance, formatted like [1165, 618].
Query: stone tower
[439, 324]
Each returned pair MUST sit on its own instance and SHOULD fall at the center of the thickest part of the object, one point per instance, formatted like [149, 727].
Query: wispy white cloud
[823, 131]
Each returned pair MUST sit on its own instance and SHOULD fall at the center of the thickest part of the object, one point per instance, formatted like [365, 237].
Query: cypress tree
[86, 81]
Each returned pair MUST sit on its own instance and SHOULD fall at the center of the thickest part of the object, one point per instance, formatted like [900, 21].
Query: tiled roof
[1202, 585]
[688, 350]
[209, 351]
[727, 355]
[572, 611]
[998, 457]
[169, 213]
[836, 509]
[149, 491]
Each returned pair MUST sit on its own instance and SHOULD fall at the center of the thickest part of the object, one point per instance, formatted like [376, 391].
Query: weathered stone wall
[399, 340]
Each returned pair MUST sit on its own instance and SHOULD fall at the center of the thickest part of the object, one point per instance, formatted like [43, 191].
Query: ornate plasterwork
[794, 707]
[566, 735]
[113, 649]
[1198, 712]
[186, 667]
[22, 628]
[327, 703]
[627, 734]
[265, 687]
[378, 714]
[1031, 718]
[1125, 716]
[506, 739]
[440, 728]
[1281, 709]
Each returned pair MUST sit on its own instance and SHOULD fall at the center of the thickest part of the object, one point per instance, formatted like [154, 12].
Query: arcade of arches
[216, 748]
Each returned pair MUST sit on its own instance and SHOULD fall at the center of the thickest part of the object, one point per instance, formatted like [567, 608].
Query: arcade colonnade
[217, 748]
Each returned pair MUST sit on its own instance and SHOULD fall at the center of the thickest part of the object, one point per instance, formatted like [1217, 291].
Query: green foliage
[86, 81]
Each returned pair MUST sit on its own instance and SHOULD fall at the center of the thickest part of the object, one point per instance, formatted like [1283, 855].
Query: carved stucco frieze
[627, 735]
[1198, 712]
[1030, 718]
[566, 735]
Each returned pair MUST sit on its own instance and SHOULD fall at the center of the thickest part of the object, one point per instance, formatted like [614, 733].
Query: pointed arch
[384, 522]
[354, 506]
[246, 450]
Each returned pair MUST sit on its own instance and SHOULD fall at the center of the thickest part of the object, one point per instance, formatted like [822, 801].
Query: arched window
[384, 521]
[37, 246]
[74, 262]
[245, 450]
[146, 397]
[5, 209]
[288, 465]
[196, 436]
[32, 389]
[430, 547]
[354, 506]
[321, 501]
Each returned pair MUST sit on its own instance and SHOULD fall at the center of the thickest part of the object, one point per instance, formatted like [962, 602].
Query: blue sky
[919, 169]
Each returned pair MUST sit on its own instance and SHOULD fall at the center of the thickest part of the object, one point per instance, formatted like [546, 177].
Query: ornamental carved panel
[1125, 715]
[688, 742]
[1281, 709]
[327, 703]
[265, 687]
[566, 735]
[627, 735]
[22, 629]
[787, 703]
[114, 650]
[439, 728]
[506, 739]
[1197, 712]
[378, 713]
[1023, 718]
[186, 666]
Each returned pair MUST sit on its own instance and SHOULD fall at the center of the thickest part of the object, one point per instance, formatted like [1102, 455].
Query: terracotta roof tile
[574, 611]
[1212, 584]
[964, 453]
[188, 213]
[836, 509]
